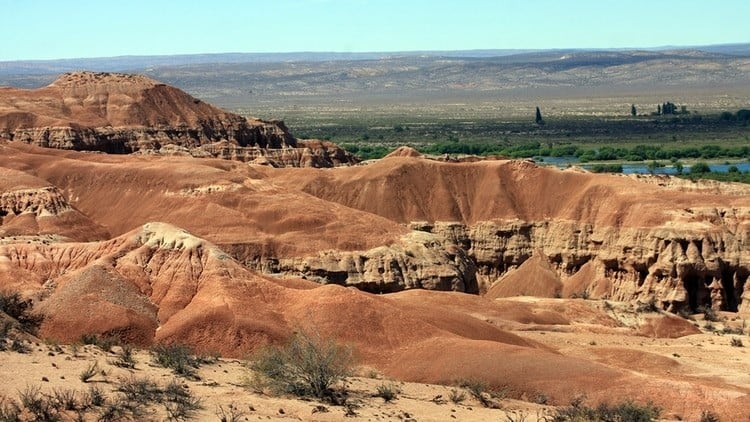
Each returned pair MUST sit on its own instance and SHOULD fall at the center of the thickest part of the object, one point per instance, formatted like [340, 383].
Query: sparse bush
[125, 358]
[473, 386]
[178, 358]
[307, 365]
[709, 314]
[139, 390]
[736, 342]
[5, 328]
[105, 343]
[388, 392]
[626, 411]
[118, 410]
[457, 396]
[729, 330]
[179, 401]
[479, 390]
[685, 313]
[138, 393]
[541, 398]
[95, 397]
[38, 405]
[31, 397]
[89, 372]
[67, 398]
[10, 411]
[20, 309]
[231, 413]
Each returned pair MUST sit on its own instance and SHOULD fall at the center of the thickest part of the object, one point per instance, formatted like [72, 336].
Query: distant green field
[605, 140]
[590, 138]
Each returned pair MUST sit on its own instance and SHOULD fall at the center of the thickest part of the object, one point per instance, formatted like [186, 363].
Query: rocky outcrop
[418, 261]
[120, 114]
[44, 201]
[308, 153]
[680, 266]
[33, 209]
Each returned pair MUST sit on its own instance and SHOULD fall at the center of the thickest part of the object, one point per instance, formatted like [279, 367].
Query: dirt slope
[406, 189]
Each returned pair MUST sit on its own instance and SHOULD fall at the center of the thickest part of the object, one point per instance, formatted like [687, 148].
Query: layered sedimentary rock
[30, 206]
[418, 260]
[481, 223]
[120, 113]
[306, 153]
[41, 201]
[682, 243]
[680, 266]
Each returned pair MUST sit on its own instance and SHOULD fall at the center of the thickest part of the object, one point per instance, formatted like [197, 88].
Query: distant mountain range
[229, 79]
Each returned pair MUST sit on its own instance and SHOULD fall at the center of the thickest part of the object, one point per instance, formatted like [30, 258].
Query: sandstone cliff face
[605, 237]
[308, 153]
[616, 237]
[120, 114]
[34, 208]
[419, 260]
[46, 201]
[681, 266]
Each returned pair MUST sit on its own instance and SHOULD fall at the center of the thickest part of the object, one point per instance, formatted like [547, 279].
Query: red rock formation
[602, 236]
[197, 277]
[120, 113]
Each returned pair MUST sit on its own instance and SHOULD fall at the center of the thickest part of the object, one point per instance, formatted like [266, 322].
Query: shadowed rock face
[120, 114]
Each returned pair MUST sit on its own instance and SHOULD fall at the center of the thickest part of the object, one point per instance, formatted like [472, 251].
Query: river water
[639, 168]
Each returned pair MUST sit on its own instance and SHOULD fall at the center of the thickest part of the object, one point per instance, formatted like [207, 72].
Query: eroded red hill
[122, 113]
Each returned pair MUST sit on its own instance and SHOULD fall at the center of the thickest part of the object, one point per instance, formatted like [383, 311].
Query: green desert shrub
[89, 372]
[178, 358]
[125, 357]
[388, 391]
[231, 413]
[307, 365]
[105, 343]
[139, 393]
[699, 168]
[10, 411]
[13, 305]
[626, 411]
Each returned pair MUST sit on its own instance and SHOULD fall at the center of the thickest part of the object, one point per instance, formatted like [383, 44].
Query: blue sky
[48, 29]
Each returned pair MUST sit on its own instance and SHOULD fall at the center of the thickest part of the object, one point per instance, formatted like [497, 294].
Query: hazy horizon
[51, 30]
[505, 51]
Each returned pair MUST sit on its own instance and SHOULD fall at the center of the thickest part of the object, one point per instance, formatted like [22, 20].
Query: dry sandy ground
[707, 360]
[226, 384]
